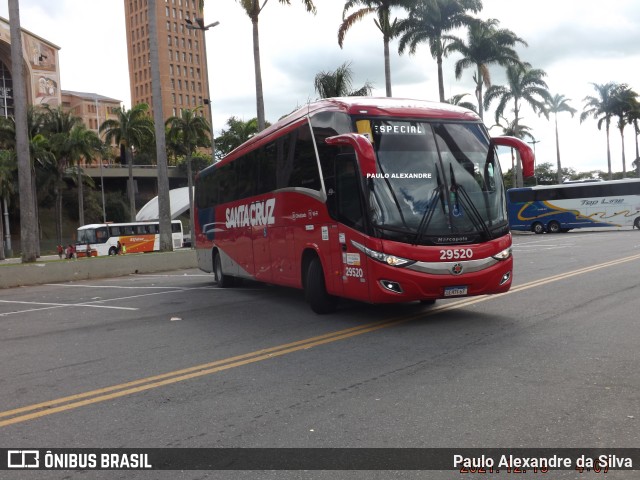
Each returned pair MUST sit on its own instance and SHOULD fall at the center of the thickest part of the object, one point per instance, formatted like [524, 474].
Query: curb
[57, 271]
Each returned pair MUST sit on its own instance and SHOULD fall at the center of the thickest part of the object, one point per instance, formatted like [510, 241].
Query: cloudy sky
[577, 42]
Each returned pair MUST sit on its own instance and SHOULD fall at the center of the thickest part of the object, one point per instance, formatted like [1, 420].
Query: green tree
[558, 104]
[84, 144]
[514, 128]
[600, 107]
[458, 101]
[186, 133]
[237, 133]
[132, 129]
[524, 85]
[486, 44]
[8, 170]
[428, 22]
[338, 84]
[254, 8]
[389, 29]
[634, 119]
[625, 100]
[58, 125]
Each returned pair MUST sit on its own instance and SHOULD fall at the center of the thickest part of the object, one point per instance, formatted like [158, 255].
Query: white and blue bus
[560, 208]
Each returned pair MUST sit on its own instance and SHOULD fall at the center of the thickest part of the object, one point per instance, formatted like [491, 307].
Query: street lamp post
[199, 25]
[533, 142]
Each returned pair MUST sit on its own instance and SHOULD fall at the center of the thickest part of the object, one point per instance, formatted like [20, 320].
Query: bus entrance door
[350, 212]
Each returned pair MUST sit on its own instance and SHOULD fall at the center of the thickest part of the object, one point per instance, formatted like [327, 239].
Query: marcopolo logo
[23, 459]
[251, 215]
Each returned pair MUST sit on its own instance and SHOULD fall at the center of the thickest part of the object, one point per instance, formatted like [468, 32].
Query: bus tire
[553, 227]
[112, 251]
[315, 290]
[636, 223]
[222, 280]
[537, 228]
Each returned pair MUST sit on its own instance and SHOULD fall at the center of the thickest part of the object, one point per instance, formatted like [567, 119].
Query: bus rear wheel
[553, 227]
[537, 228]
[636, 223]
[315, 290]
[223, 281]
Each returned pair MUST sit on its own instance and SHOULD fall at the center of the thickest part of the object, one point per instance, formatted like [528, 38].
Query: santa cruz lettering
[251, 215]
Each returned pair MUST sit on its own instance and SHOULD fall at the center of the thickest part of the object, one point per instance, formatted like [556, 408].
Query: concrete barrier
[56, 271]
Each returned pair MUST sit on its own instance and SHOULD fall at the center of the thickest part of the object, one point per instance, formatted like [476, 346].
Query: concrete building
[183, 68]
[92, 108]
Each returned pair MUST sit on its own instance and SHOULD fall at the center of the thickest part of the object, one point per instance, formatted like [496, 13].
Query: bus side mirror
[524, 150]
[364, 151]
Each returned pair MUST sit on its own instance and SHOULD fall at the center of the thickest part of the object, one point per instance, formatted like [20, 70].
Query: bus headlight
[391, 260]
[503, 255]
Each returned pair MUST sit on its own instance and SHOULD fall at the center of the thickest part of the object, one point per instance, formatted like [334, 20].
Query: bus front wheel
[112, 251]
[553, 227]
[223, 281]
[636, 223]
[537, 228]
[315, 290]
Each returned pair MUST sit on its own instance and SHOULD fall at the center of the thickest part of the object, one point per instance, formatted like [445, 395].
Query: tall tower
[183, 66]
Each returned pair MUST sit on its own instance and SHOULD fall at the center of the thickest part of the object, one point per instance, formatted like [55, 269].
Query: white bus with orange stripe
[134, 237]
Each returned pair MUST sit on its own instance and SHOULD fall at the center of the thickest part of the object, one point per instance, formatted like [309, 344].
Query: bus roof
[579, 184]
[370, 106]
[119, 224]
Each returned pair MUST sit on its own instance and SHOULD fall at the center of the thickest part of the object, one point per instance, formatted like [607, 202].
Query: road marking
[31, 412]
[50, 306]
[114, 286]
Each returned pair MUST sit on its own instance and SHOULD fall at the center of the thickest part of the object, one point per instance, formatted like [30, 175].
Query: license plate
[455, 291]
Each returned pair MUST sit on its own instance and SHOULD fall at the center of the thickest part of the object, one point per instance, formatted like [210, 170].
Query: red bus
[374, 199]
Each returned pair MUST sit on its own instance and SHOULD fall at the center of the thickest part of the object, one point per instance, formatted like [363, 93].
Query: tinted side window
[297, 166]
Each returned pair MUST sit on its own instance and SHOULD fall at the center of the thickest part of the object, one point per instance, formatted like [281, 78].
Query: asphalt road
[173, 361]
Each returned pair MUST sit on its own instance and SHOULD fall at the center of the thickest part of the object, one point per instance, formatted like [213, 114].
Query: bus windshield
[435, 180]
[92, 235]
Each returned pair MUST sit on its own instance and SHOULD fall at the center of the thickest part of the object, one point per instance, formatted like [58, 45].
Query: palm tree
[624, 101]
[254, 8]
[458, 101]
[558, 104]
[389, 29]
[186, 133]
[634, 118]
[238, 133]
[164, 202]
[28, 237]
[130, 130]
[338, 84]
[428, 21]
[600, 108]
[39, 155]
[486, 44]
[515, 129]
[84, 144]
[524, 84]
[58, 125]
[7, 188]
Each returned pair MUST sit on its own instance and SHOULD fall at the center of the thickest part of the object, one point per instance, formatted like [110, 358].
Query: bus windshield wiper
[389, 228]
[428, 213]
[463, 196]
